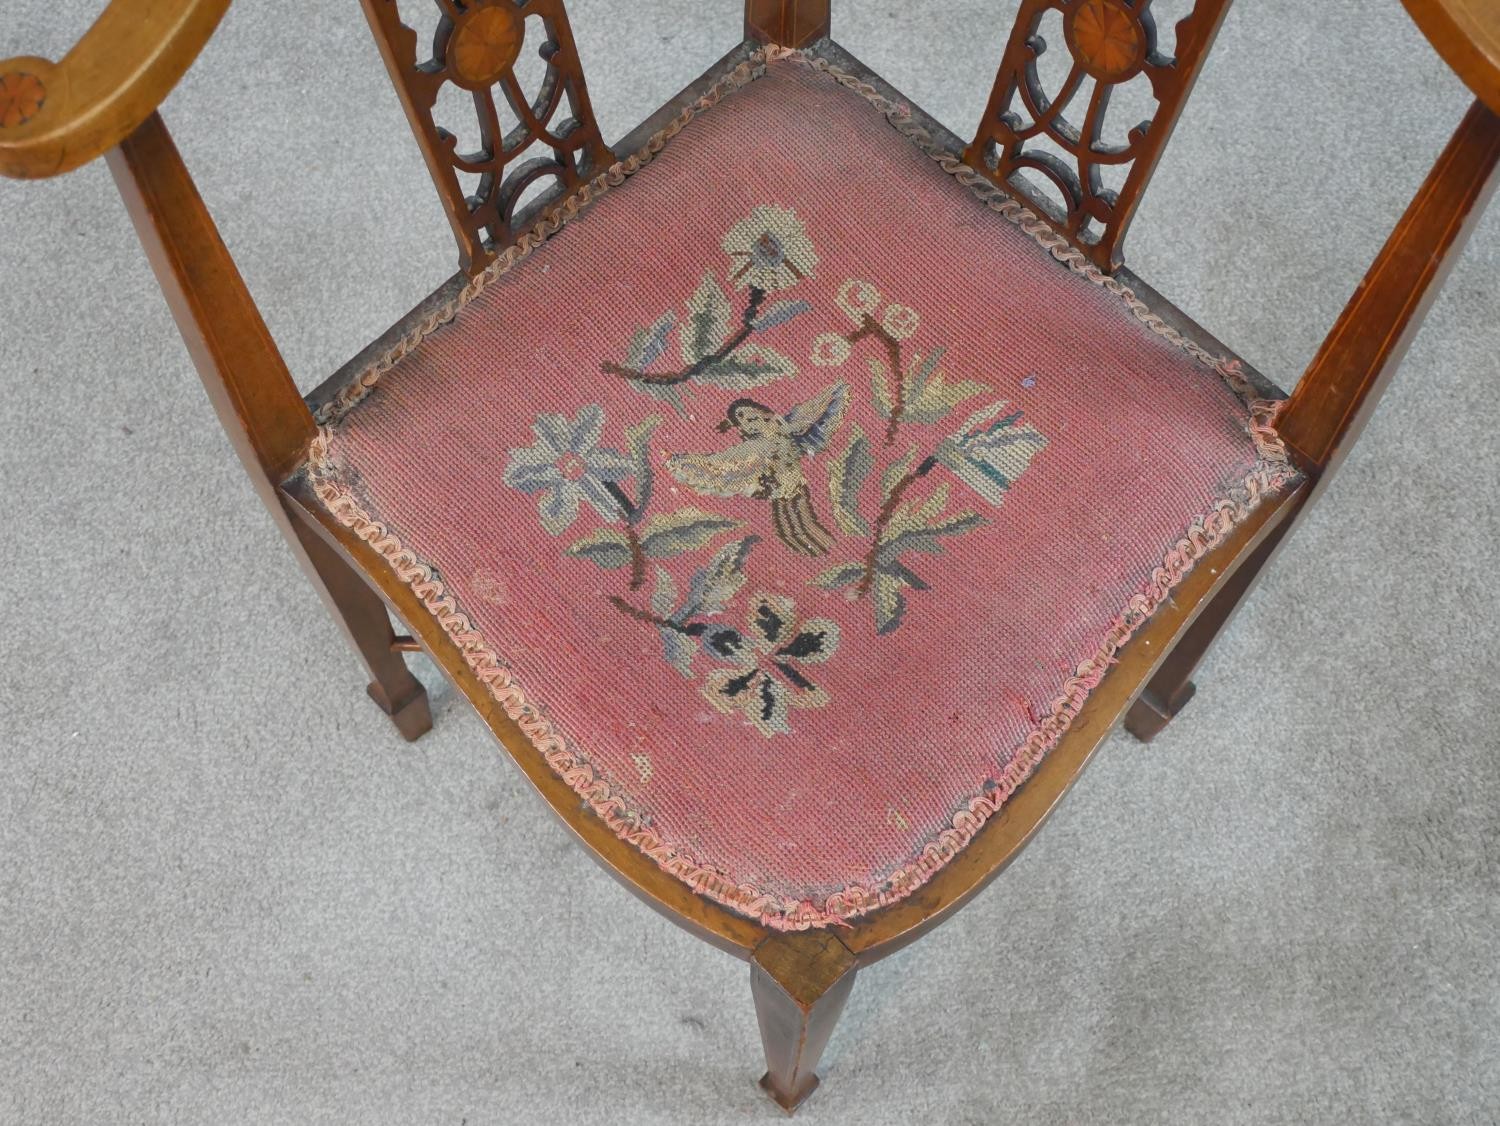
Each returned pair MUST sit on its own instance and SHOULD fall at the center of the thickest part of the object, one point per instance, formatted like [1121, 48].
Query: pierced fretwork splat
[476, 49]
[1026, 130]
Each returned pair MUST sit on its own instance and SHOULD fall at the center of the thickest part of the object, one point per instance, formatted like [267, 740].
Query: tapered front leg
[1149, 715]
[262, 412]
[1170, 690]
[800, 982]
[367, 625]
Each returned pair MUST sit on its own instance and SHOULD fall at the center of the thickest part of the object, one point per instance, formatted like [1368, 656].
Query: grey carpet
[229, 894]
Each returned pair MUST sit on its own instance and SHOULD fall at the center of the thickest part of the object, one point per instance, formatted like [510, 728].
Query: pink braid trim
[1272, 472]
[780, 912]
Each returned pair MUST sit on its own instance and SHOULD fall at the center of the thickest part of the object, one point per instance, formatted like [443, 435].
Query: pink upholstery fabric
[798, 495]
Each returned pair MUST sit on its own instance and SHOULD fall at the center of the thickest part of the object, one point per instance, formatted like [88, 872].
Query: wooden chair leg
[790, 23]
[367, 625]
[800, 982]
[1172, 687]
[263, 415]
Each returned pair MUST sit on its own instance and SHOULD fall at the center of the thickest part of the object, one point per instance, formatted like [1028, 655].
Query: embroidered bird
[767, 463]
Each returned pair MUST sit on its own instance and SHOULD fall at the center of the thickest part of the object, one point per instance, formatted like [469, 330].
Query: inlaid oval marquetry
[1107, 39]
[485, 44]
[21, 95]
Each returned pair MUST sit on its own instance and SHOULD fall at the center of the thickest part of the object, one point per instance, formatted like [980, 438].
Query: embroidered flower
[770, 249]
[764, 676]
[830, 350]
[858, 299]
[900, 321]
[567, 465]
[988, 452]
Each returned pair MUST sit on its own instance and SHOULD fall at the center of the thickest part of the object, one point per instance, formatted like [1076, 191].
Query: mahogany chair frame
[102, 99]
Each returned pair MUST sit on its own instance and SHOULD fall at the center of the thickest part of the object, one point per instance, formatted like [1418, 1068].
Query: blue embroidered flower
[567, 465]
[764, 678]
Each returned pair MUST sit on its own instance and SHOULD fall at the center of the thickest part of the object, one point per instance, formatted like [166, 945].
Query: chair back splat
[1111, 43]
[478, 48]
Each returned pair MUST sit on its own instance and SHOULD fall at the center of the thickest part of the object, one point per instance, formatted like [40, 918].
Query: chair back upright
[1058, 135]
[475, 50]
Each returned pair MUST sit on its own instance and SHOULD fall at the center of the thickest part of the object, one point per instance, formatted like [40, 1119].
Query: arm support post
[1337, 393]
[241, 368]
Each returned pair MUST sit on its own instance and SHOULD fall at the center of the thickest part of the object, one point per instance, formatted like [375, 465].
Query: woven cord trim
[1272, 472]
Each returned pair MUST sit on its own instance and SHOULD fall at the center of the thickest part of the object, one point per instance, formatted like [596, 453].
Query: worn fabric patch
[794, 496]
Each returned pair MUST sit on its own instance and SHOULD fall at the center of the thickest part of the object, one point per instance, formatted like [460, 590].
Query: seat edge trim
[1272, 472]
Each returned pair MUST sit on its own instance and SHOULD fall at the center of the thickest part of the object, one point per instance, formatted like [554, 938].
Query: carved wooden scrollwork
[1110, 43]
[476, 47]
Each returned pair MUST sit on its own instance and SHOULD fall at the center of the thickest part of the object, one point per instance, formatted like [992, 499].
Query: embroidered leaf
[928, 396]
[906, 575]
[638, 439]
[747, 367]
[840, 575]
[647, 345]
[888, 597]
[936, 398]
[663, 594]
[667, 392]
[931, 508]
[889, 603]
[687, 529]
[846, 476]
[708, 320]
[606, 547]
[895, 472]
[712, 587]
[927, 541]
[678, 649]
[735, 374]
[778, 313]
[912, 516]
[918, 369]
[988, 453]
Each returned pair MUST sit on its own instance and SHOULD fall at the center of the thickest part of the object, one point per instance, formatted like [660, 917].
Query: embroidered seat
[794, 495]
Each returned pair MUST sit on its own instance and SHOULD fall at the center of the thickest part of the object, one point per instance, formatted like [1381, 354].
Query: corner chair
[799, 491]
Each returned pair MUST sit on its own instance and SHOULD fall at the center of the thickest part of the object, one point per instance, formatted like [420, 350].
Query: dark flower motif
[764, 676]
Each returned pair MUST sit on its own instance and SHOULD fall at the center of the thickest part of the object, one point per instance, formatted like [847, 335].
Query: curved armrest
[1467, 34]
[56, 116]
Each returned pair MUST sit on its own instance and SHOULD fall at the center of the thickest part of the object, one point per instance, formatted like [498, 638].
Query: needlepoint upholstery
[793, 496]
